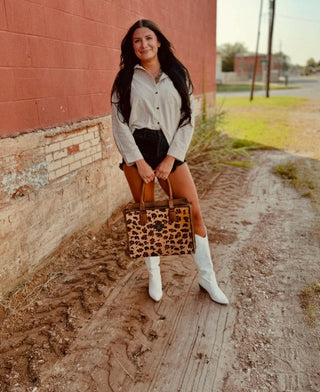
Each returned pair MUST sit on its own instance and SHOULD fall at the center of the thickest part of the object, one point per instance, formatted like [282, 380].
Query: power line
[299, 18]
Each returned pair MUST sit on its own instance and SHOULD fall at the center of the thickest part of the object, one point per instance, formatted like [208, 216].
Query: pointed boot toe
[215, 293]
[155, 291]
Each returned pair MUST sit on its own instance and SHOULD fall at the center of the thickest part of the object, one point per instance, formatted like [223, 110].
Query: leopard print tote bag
[159, 228]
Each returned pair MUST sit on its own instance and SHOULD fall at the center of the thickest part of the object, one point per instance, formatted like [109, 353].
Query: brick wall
[58, 58]
[66, 153]
[58, 161]
[54, 183]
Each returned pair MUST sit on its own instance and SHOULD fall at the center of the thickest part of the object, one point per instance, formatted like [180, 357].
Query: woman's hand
[164, 168]
[145, 171]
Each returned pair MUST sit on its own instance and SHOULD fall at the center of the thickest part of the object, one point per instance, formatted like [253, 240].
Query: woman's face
[145, 44]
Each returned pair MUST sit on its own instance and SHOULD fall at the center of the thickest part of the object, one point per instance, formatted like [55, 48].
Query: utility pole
[257, 52]
[272, 4]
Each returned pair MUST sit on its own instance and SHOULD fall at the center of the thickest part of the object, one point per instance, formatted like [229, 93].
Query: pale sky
[296, 30]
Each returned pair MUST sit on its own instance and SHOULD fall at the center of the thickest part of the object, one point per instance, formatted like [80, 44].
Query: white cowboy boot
[207, 277]
[155, 286]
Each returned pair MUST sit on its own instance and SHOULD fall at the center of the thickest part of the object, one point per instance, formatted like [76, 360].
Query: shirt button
[158, 108]
[156, 92]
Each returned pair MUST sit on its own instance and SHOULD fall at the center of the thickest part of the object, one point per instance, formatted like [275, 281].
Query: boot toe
[156, 295]
[220, 298]
[215, 293]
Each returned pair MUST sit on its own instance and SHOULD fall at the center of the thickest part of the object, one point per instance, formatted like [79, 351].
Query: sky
[296, 27]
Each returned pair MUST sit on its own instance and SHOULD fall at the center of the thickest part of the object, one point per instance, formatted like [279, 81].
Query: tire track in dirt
[41, 319]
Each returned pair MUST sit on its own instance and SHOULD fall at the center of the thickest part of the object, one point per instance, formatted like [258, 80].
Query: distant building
[244, 65]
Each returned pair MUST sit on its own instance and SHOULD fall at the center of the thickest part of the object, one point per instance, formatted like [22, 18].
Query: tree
[310, 67]
[228, 51]
[311, 63]
[283, 60]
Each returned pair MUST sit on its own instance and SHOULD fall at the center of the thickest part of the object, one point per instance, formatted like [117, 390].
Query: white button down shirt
[154, 106]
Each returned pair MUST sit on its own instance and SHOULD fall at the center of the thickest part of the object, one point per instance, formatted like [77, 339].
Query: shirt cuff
[131, 157]
[176, 153]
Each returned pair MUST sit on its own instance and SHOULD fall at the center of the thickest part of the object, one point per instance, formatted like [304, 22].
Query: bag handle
[143, 212]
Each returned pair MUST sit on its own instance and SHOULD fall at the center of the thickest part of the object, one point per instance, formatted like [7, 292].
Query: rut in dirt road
[117, 339]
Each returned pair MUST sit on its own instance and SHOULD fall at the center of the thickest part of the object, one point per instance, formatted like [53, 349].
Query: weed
[304, 175]
[310, 303]
[210, 144]
[288, 171]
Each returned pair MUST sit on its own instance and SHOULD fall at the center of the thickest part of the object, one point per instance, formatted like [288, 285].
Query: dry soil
[86, 323]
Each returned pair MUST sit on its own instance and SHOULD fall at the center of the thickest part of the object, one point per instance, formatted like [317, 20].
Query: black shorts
[153, 146]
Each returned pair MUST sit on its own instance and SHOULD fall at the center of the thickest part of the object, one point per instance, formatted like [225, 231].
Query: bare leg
[135, 184]
[152, 263]
[183, 186]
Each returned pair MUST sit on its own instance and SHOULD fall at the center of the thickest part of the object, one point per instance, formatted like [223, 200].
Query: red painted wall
[58, 58]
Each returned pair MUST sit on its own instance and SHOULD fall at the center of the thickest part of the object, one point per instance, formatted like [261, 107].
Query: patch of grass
[247, 87]
[264, 122]
[246, 144]
[304, 175]
[239, 163]
[282, 87]
[259, 130]
[237, 87]
[310, 303]
[271, 102]
[288, 171]
[209, 143]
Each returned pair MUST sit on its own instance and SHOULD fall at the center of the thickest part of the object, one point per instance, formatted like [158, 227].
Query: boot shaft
[202, 256]
[152, 262]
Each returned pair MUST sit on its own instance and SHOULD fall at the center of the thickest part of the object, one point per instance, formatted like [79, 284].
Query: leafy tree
[311, 66]
[228, 51]
[283, 60]
[311, 63]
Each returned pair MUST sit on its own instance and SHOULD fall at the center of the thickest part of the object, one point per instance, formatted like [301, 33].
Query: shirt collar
[138, 66]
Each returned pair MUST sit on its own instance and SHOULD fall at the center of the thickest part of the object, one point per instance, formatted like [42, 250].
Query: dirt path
[87, 324]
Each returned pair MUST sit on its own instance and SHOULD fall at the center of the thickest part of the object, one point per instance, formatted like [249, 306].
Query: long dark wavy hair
[176, 71]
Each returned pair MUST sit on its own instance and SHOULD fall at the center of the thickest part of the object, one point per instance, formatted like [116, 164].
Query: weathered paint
[20, 183]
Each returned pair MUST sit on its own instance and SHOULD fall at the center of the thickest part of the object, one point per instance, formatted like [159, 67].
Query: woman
[152, 123]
